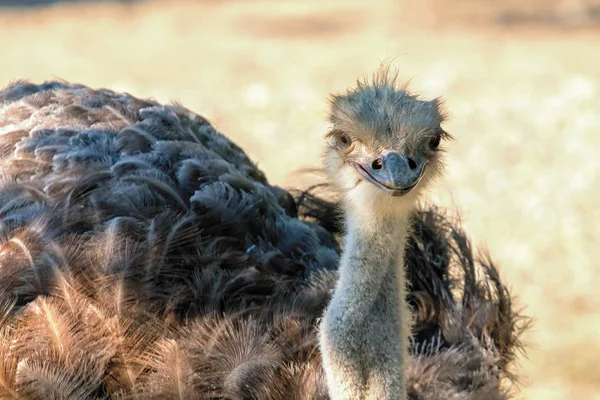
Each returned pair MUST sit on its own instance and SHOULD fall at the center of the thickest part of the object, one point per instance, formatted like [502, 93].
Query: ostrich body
[144, 255]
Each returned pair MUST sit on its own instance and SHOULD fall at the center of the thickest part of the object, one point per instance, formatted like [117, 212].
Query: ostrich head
[384, 146]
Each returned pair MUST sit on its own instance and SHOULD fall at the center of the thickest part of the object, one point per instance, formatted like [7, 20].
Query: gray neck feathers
[365, 330]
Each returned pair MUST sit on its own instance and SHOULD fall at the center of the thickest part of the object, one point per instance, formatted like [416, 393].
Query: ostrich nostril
[377, 164]
[411, 163]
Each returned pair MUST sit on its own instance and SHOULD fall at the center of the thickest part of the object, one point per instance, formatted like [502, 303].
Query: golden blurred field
[521, 83]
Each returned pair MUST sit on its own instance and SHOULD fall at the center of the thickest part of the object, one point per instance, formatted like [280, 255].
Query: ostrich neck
[372, 254]
[365, 330]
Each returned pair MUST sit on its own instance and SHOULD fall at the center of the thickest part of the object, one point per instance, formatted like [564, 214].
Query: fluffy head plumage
[371, 121]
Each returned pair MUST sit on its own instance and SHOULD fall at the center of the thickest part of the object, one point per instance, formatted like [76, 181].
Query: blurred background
[521, 81]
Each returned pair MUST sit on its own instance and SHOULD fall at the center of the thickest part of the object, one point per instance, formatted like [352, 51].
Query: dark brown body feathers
[144, 255]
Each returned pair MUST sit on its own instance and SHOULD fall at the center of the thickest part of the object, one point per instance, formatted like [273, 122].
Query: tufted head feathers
[384, 144]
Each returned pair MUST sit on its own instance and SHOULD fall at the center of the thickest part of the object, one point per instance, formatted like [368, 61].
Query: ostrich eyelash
[334, 133]
[440, 135]
[434, 142]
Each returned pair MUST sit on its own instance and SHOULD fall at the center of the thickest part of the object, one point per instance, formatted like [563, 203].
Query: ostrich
[144, 255]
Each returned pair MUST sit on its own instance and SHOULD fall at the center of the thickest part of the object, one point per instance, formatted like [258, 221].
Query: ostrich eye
[434, 142]
[343, 142]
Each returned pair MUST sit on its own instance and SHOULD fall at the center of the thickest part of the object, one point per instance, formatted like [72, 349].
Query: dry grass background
[524, 104]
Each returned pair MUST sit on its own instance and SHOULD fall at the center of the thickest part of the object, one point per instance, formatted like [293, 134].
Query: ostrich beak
[392, 172]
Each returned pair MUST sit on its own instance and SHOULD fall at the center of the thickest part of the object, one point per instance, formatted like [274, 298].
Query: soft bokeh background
[521, 82]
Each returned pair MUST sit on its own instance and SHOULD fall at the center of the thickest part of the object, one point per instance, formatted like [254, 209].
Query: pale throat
[373, 248]
[386, 220]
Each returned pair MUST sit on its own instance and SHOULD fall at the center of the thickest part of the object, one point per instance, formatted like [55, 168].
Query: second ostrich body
[383, 151]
